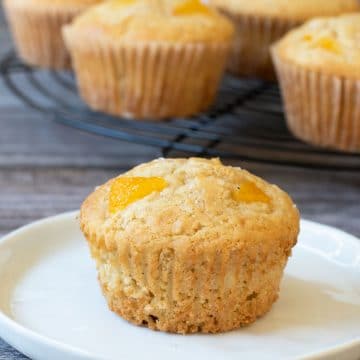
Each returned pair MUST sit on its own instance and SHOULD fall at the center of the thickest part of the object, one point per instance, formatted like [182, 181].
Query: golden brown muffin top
[179, 21]
[182, 202]
[288, 9]
[329, 45]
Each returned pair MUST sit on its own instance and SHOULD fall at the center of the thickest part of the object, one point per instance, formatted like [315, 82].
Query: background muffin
[36, 27]
[189, 245]
[259, 23]
[149, 59]
[319, 72]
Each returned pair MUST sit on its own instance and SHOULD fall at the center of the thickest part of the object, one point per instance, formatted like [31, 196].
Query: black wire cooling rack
[246, 122]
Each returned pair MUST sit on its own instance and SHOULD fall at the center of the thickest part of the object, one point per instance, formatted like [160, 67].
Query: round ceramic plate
[51, 306]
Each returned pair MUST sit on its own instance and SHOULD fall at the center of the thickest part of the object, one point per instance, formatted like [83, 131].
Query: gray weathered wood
[46, 168]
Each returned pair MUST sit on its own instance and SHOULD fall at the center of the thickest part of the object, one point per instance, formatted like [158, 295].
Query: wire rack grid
[246, 122]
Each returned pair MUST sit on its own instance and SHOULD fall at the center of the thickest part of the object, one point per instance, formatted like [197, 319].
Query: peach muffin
[149, 59]
[36, 27]
[259, 23]
[189, 245]
[318, 66]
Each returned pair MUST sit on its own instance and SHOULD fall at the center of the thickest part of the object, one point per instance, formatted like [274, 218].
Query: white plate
[51, 306]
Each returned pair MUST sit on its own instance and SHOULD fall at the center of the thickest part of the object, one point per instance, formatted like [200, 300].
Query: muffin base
[148, 81]
[321, 109]
[250, 53]
[179, 323]
[204, 296]
[38, 36]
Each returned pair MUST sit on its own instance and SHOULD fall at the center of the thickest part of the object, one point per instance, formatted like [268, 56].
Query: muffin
[189, 245]
[36, 27]
[318, 67]
[259, 23]
[149, 59]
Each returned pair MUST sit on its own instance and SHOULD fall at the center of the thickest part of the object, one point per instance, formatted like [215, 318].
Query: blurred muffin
[259, 23]
[149, 59]
[318, 67]
[189, 245]
[36, 27]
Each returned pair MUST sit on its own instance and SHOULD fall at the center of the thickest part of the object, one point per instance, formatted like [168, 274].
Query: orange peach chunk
[329, 44]
[126, 190]
[191, 7]
[248, 192]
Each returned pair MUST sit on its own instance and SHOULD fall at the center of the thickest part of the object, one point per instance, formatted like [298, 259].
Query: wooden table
[46, 168]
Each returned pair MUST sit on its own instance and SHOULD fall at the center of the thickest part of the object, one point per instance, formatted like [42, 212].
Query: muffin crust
[144, 21]
[329, 45]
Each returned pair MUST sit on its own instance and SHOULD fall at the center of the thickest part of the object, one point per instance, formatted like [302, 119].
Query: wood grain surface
[46, 168]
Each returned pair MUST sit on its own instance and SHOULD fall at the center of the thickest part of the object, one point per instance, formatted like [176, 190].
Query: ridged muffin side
[190, 258]
[322, 59]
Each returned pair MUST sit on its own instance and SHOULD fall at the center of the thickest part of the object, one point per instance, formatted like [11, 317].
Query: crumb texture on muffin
[330, 45]
[196, 255]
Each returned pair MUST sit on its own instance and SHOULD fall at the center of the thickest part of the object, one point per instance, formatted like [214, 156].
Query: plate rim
[17, 328]
[8, 324]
